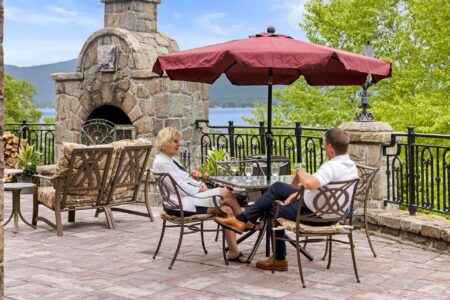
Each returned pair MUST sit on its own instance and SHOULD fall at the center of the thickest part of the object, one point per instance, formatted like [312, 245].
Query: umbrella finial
[271, 29]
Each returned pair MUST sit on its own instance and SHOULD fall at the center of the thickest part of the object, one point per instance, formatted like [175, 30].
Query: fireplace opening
[110, 113]
[106, 124]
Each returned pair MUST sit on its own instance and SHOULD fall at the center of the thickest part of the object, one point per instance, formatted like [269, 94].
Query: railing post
[411, 171]
[231, 135]
[298, 137]
[262, 136]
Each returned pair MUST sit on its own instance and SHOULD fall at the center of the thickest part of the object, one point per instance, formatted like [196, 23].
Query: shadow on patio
[93, 262]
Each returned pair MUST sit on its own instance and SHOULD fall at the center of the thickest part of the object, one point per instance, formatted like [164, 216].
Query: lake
[217, 115]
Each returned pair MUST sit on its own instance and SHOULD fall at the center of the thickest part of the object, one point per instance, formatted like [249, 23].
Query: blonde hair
[165, 136]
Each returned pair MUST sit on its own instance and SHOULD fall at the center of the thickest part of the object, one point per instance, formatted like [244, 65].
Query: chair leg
[109, 217]
[58, 222]
[35, 210]
[299, 261]
[274, 242]
[160, 239]
[71, 216]
[326, 250]
[203, 238]
[149, 210]
[223, 247]
[178, 247]
[217, 233]
[97, 212]
[330, 248]
[352, 249]
[366, 227]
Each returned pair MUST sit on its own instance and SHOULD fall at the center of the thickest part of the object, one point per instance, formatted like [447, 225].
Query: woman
[168, 145]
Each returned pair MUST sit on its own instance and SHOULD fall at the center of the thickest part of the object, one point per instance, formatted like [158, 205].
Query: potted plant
[27, 160]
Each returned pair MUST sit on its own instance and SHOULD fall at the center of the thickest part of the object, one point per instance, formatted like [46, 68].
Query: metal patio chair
[187, 224]
[333, 203]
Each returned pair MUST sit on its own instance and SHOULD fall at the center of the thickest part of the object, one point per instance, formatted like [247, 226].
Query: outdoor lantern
[364, 116]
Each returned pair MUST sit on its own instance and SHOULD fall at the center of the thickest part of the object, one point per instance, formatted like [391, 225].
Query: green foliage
[19, 101]
[214, 155]
[413, 34]
[28, 160]
[49, 120]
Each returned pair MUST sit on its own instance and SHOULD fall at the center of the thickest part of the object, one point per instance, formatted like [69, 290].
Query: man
[339, 168]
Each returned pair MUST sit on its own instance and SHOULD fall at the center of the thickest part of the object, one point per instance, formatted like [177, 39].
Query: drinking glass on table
[248, 170]
[275, 169]
[234, 167]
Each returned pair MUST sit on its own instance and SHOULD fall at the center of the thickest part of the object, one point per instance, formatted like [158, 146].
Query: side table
[16, 188]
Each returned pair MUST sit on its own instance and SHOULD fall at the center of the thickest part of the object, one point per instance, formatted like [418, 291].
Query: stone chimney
[133, 15]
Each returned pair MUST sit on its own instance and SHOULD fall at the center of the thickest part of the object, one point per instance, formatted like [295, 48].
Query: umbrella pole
[269, 136]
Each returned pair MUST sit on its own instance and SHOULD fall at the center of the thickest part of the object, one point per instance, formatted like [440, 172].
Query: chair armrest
[37, 178]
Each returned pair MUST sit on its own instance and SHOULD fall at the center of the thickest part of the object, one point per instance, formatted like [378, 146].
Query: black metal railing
[38, 134]
[299, 144]
[418, 171]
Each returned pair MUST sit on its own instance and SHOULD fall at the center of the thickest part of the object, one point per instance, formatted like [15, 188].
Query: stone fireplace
[113, 83]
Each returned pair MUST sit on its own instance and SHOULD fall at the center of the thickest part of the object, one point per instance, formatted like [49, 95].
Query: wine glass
[234, 167]
[275, 169]
[248, 170]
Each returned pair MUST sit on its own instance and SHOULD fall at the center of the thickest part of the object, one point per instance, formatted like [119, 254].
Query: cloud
[290, 11]
[50, 15]
[219, 23]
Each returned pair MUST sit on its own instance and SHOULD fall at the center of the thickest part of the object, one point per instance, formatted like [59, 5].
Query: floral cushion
[190, 219]
[332, 229]
[46, 196]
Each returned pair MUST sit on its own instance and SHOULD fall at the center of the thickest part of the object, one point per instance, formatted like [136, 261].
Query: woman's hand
[203, 187]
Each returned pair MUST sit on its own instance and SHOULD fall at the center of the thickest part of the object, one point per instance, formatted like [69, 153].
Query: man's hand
[203, 187]
[290, 199]
[296, 181]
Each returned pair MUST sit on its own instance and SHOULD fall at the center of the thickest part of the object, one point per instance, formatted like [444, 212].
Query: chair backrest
[167, 186]
[366, 176]
[125, 182]
[223, 168]
[87, 174]
[330, 203]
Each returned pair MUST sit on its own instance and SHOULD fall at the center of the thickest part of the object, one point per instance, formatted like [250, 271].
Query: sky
[40, 32]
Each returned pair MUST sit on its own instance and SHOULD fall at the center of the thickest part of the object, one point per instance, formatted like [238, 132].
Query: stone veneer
[2, 235]
[151, 102]
[366, 140]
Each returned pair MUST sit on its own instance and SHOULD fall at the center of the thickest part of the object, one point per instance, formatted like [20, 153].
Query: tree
[413, 34]
[19, 101]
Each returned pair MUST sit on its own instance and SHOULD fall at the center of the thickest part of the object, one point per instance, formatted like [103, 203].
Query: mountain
[40, 77]
[221, 93]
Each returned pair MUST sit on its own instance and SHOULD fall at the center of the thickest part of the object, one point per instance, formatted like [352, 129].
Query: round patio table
[16, 188]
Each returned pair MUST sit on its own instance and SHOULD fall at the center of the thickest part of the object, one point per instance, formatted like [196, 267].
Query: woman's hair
[338, 139]
[165, 136]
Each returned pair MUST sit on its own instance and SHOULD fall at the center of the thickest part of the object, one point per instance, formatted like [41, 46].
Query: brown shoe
[231, 223]
[266, 264]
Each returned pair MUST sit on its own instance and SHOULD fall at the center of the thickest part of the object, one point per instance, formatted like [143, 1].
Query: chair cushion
[332, 229]
[65, 155]
[46, 196]
[190, 219]
[118, 147]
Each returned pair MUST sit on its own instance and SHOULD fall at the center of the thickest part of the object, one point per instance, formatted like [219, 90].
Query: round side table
[16, 188]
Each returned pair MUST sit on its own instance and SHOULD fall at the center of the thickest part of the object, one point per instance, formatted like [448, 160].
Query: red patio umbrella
[267, 59]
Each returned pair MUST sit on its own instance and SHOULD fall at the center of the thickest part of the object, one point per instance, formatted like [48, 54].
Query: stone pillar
[134, 15]
[366, 140]
[2, 243]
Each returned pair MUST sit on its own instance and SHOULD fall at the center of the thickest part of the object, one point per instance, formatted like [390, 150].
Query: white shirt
[339, 168]
[165, 164]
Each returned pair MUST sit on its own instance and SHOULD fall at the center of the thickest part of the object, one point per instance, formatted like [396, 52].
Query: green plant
[213, 156]
[28, 160]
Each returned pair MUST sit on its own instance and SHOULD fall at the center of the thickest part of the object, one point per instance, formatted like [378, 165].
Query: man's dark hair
[338, 139]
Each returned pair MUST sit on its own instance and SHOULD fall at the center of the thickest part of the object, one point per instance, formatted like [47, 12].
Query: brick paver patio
[93, 262]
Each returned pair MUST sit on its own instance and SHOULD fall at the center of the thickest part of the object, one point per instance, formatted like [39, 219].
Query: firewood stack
[11, 148]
